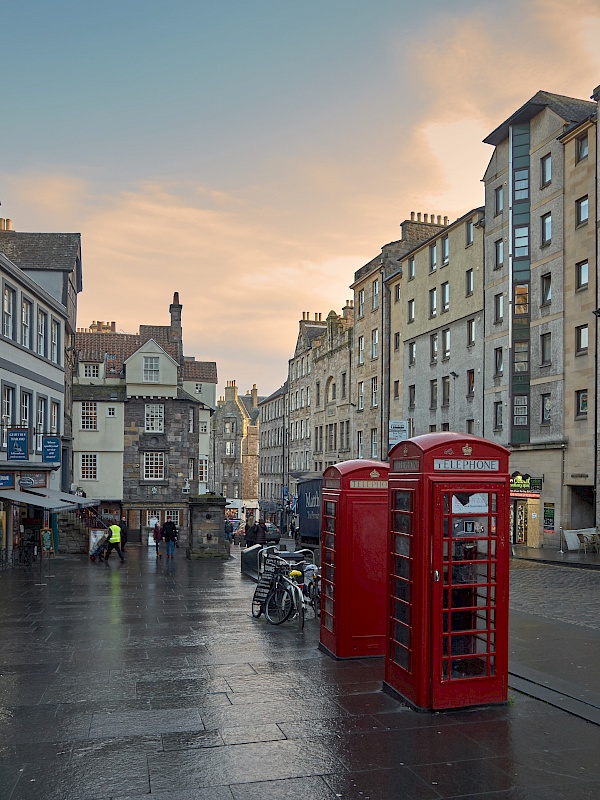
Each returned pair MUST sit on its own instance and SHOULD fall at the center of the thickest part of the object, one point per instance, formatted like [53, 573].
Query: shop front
[527, 520]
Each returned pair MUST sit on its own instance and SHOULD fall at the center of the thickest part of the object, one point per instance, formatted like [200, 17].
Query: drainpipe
[385, 375]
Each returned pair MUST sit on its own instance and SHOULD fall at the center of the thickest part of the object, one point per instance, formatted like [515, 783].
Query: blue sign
[7, 480]
[18, 445]
[51, 449]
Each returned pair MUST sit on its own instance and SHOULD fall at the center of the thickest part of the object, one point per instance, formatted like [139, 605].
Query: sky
[253, 154]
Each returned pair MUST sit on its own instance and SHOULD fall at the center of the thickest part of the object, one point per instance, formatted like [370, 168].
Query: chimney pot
[439, 219]
[445, 220]
[1, 223]
[412, 216]
[418, 216]
[8, 224]
[425, 219]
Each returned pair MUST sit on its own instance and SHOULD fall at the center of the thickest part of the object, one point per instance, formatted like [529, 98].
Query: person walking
[114, 542]
[157, 536]
[170, 536]
[261, 533]
[250, 532]
[124, 531]
[228, 530]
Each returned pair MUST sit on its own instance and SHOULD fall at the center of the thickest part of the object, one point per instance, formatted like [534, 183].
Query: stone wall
[207, 528]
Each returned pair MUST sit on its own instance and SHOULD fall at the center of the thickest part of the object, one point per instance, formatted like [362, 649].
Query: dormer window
[91, 370]
[151, 369]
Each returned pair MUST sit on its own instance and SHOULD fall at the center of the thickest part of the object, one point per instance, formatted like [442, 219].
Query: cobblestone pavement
[564, 594]
[151, 679]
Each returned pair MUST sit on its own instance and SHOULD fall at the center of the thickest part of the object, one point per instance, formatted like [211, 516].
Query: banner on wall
[17, 444]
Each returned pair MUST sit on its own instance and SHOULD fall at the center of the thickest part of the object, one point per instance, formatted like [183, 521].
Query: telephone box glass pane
[402, 522]
[402, 501]
[401, 580]
[402, 545]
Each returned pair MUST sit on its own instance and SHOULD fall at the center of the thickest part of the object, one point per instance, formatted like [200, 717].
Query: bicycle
[286, 599]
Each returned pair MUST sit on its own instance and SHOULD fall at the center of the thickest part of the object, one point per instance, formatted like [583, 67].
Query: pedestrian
[169, 533]
[124, 531]
[114, 542]
[261, 533]
[157, 535]
[250, 532]
[228, 530]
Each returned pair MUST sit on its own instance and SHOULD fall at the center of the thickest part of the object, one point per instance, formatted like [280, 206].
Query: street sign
[398, 431]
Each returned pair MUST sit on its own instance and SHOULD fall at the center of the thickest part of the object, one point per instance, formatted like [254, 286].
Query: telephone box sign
[406, 465]
[368, 484]
[466, 464]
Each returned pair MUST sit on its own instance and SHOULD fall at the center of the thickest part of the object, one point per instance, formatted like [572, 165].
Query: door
[469, 642]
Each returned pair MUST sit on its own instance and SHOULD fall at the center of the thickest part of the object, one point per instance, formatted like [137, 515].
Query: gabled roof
[571, 109]
[50, 251]
[204, 371]
[95, 347]
[252, 411]
[149, 346]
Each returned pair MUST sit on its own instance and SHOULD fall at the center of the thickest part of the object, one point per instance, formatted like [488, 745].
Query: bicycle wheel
[278, 605]
[257, 607]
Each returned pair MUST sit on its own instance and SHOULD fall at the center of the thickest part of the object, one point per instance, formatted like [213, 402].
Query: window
[54, 341]
[151, 369]
[469, 284]
[26, 324]
[411, 268]
[521, 299]
[397, 340]
[89, 466]
[25, 410]
[375, 294]
[203, 469]
[361, 350]
[445, 391]
[499, 253]
[498, 415]
[498, 307]
[471, 426]
[433, 257]
[521, 187]
[432, 302]
[344, 385]
[581, 402]
[470, 382]
[411, 311]
[111, 411]
[89, 416]
[470, 232]
[581, 339]
[433, 347]
[521, 241]
[446, 343]
[154, 418]
[374, 392]
[411, 395]
[318, 390]
[545, 409]
[498, 200]
[91, 370]
[359, 444]
[396, 293]
[42, 322]
[154, 466]
[8, 317]
[42, 410]
[520, 410]
[375, 343]
[582, 275]
[173, 516]
[521, 356]
[581, 211]
[498, 361]
[581, 147]
[545, 348]
[445, 426]
[412, 353]
[54, 417]
[361, 303]
[546, 171]
[396, 390]
[433, 394]
[546, 229]
[445, 251]
[361, 395]
[308, 396]
[546, 289]
[198, 389]
[445, 296]
[374, 443]
[432, 428]
[470, 332]
[8, 411]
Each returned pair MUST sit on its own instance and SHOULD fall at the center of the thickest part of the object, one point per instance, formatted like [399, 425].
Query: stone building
[271, 499]
[540, 248]
[136, 438]
[234, 433]
[437, 330]
[331, 412]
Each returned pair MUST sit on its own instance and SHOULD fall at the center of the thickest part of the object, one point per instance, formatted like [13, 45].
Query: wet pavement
[146, 679]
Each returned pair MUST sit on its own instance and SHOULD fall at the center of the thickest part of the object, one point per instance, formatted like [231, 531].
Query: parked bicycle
[286, 599]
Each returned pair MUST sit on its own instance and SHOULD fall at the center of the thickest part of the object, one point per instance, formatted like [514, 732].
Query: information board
[47, 540]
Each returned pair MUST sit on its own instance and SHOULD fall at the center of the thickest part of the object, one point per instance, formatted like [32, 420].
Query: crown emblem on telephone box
[467, 450]
[374, 474]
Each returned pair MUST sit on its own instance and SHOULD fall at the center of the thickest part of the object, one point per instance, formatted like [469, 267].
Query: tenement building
[540, 301]
[272, 499]
[437, 329]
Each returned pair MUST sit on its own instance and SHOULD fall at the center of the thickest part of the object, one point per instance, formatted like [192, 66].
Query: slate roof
[100, 393]
[571, 109]
[51, 251]
[203, 371]
[253, 412]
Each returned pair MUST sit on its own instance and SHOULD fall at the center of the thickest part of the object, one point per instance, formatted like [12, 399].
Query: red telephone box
[354, 531]
[448, 571]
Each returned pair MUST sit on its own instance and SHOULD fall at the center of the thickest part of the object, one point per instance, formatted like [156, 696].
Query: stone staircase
[74, 532]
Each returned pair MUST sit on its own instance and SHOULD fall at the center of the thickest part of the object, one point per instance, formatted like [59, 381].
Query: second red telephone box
[354, 559]
[448, 571]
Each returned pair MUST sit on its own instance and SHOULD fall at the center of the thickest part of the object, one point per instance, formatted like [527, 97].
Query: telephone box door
[469, 644]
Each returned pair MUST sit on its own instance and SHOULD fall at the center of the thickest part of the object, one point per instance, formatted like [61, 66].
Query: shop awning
[38, 500]
[63, 499]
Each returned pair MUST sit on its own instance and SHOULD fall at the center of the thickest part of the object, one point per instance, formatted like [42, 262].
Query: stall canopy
[64, 500]
[39, 500]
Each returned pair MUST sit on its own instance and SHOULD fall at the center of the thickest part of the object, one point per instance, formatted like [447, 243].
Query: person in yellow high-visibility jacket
[114, 542]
